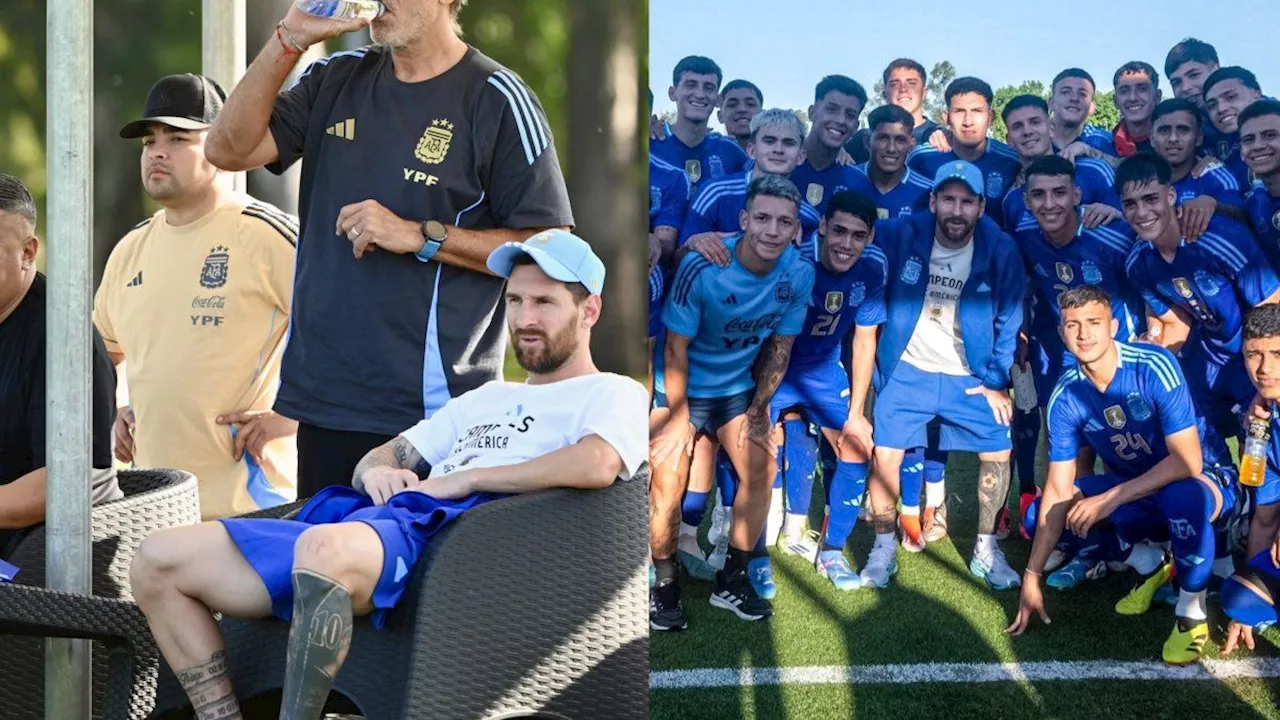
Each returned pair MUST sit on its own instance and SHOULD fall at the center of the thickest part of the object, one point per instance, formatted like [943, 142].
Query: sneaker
[1024, 502]
[833, 566]
[695, 566]
[912, 538]
[1076, 572]
[882, 564]
[1139, 600]
[733, 592]
[1185, 646]
[760, 570]
[934, 523]
[995, 571]
[665, 610]
[803, 544]
[1055, 561]
[721, 521]
[1002, 524]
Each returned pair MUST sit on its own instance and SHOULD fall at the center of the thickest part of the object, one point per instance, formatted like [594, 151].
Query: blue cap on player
[562, 255]
[966, 172]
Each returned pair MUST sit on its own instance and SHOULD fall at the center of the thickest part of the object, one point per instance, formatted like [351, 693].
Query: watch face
[435, 230]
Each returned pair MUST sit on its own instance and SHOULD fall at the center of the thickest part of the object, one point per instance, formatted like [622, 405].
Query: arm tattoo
[398, 453]
[993, 493]
[409, 458]
[318, 643]
[209, 688]
[771, 365]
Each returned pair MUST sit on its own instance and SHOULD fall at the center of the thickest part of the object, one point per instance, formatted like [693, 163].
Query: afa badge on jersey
[693, 169]
[782, 291]
[434, 145]
[995, 185]
[214, 273]
[857, 294]
[1138, 407]
[1092, 274]
[716, 166]
[911, 271]
[834, 301]
[1065, 273]
[813, 193]
[1115, 416]
[1207, 284]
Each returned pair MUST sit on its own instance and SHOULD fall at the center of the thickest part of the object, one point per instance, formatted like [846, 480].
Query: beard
[954, 232]
[551, 355]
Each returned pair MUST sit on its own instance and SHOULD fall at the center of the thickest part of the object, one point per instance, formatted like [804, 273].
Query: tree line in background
[584, 59]
[942, 73]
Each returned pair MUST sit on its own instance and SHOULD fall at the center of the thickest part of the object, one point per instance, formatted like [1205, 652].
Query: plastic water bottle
[342, 9]
[1253, 461]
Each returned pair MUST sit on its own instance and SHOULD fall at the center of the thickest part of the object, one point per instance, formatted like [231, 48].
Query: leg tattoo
[318, 644]
[209, 687]
[884, 521]
[993, 493]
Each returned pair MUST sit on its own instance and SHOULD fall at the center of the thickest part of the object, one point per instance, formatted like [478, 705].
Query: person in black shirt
[905, 84]
[420, 156]
[22, 378]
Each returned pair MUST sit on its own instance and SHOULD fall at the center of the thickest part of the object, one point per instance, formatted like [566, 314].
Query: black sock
[737, 560]
[664, 570]
[827, 547]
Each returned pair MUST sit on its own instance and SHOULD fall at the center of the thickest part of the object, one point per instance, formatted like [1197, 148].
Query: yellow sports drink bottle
[1253, 461]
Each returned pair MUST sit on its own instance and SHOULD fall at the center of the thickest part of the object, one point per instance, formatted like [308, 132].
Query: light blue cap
[562, 255]
[966, 172]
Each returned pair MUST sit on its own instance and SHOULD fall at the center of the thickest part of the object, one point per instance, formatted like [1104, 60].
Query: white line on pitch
[963, 673]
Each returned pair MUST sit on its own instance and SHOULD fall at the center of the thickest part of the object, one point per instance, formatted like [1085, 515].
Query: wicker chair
[124, 656]
[534, 602]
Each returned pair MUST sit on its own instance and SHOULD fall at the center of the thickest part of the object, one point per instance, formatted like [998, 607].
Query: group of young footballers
[869, 300]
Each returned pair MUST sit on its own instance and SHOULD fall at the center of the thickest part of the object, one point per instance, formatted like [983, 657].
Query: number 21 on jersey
[826, 325]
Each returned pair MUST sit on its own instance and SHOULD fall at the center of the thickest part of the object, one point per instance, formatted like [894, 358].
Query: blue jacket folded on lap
[990, 309]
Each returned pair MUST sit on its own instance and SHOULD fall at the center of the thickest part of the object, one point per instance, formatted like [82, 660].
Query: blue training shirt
[840, 300]
[1215, 280]
[729, 313]
[910, 195]
[817, 186]
[1094, 257]
[999, 164]
[715, 157]
[1126, 425]
[1096, 181]
[716, 206]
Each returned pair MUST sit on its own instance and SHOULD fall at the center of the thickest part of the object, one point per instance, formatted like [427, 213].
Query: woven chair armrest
[40, 612]
[279, 512]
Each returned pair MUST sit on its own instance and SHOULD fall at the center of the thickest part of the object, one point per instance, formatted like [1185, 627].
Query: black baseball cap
[187, 102]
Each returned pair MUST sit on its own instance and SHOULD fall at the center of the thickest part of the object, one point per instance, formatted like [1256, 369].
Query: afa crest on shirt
[857, 293]
[813, 193]
[834, 301]
[1207, 284]
[995, 185]
[1092, 274]
[214, 273]
[782, 291]
[434, 145]
[693, 169]
[1064, 271]
[1138, 407]
[1183, 287]
[716, 166]
[911, 271]
[1115, 416]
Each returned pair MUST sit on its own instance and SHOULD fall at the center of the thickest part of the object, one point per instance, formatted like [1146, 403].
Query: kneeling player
[1130, 403]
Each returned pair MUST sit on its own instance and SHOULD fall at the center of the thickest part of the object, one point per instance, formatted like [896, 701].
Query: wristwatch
[434, 233]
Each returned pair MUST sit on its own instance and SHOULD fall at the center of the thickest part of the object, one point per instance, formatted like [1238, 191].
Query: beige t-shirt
[201, 313]
[937, 345]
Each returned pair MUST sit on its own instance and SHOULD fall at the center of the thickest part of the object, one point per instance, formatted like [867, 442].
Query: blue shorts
[1223, 479]
[911, 398]
[404, 525]
[819, 391]
[708, 415]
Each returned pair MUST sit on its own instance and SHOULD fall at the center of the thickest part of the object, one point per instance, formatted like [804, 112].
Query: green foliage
[1107, 115]
[1004, 95]
[940, 76]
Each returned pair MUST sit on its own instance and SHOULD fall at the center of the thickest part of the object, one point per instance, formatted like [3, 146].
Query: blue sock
[726, 479]
[847, 486]
[761, 549]
[800, 450]
[693, 507]
[1186, 505]
[912, 477]
[1026, 437]
[935, 466]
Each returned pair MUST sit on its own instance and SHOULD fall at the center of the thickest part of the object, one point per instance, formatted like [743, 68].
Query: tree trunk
[604, 172]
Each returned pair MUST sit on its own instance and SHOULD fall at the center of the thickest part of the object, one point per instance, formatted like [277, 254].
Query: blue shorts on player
[404, 525]
[708, 415]
[911, 398]
[820, 391]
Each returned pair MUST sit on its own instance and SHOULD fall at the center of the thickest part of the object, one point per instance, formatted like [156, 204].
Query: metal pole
[68, 365]
[223, 48]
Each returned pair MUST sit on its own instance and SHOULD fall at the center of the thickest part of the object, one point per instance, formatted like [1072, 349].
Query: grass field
[888, 653]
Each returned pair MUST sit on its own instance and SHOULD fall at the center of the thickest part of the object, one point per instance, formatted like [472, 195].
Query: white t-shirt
[503, 423]
[936, 344]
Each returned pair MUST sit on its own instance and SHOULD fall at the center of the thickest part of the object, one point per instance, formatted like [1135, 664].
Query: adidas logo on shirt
[136, 281]
[731, 300]
[345, 129]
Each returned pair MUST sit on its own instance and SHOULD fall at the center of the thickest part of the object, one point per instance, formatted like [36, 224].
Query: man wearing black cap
[420, 156]
[197, 299]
